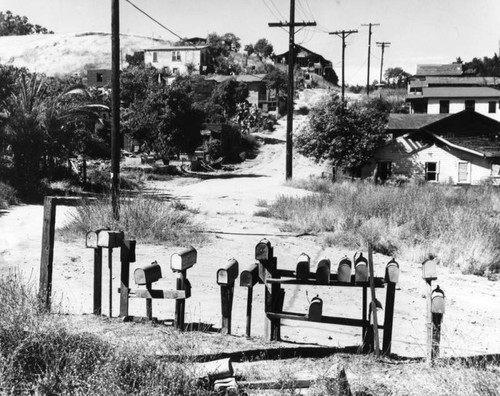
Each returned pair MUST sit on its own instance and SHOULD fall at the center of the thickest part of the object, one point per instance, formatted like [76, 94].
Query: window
[444, 106]
[99, 77]
[470, 105]
[176, 56]
[492, 107]
[464, 172]
[420, 107]
[431, 171]
[155, 57]
[175, 70]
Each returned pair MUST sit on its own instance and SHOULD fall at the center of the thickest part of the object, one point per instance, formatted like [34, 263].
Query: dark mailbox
[303, 267]
[227, 275]
[392, 271]
[148, 274]
[323, 271]
[263, 250]
[361, 269]
[183, 260]
[344, 270]
[250, 276]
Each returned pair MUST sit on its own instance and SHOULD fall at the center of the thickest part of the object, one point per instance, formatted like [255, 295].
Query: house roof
[302, 52]
[412, 121]
[178, 48]
[452, 69]
[454, 81]
[486, 146]
[247, 78]
[456, 92]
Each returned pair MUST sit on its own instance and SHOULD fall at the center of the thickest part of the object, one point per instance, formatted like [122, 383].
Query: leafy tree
[228, 95]
[344, 133]
[277, 80]
[396, 77]
[15, 25]
[136, 59]
[263, 48]
[220, 47]
[486, 67]
[249, 49]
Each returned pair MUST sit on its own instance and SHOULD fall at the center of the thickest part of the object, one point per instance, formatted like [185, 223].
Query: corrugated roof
[456, 92]
[453, 69]
[412, 121]
[465, 80]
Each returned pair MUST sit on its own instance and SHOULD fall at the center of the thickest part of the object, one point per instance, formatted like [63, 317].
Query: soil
[226, 208]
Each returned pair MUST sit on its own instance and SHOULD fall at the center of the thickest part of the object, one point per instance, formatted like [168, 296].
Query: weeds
[460, 226]
[146, 219]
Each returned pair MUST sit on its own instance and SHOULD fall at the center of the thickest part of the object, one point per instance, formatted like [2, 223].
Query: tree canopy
[16, 25]
[262, 48]
[344, 133]
[485, 67]
[396, 77]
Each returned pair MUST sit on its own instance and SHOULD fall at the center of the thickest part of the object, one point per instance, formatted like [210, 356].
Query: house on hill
[461, 148]
[180, 60]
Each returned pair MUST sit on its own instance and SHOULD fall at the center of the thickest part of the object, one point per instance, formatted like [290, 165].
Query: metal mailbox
[227, 275]
[263, 250]
[148, 274]
[437, 301]
[250, 276]
[303, 267]
[323, 271]
[344, 270]
[361, 269]
[315, 310]
[183, 260]
[109, 239]
[91, 239]
[392, 271]
[429, 269]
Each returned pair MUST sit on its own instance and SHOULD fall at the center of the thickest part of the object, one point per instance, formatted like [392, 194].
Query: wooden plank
[226, 293]
[389, 317]
[266, 384]
[98, 281]
[374, 299]
[324, 319]
[47, 256]
[378, 282]
[127, 255]
[161, 294]
[180, 303]
[249, 311]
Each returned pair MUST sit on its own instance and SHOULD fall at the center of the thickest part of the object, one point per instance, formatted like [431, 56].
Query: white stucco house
[180, 60]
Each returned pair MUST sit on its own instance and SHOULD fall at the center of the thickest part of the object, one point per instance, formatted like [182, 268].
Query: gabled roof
[457, 92]
[486, 146]
[453, 69]
[302, 52]
[412, 121]
[179, 48]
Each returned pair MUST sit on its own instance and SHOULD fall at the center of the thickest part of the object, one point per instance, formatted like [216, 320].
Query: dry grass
[460, 226]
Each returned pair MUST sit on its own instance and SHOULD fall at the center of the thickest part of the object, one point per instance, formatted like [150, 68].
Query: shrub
[8, 196]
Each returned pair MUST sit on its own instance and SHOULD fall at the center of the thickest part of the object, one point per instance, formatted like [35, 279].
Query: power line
[159, 23]
[273, 13]
[343, 34]
[382, 44]
[369, 48]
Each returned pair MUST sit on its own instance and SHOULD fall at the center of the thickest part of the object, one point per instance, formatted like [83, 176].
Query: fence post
[391, 277]
[248, 278]
[437, 311]
[429, 273]
[127, 256]
[47, 258]
[225, 279]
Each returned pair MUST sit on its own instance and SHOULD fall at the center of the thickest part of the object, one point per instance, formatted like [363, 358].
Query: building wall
[457, 105]
[164, 59]
[412, 162]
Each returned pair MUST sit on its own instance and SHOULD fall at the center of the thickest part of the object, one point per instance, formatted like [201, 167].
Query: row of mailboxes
[103, 238]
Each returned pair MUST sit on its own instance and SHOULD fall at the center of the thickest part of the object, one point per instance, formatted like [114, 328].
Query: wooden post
[226, 293]
[97, 281]
[364, 316]
[248, 278]
[436, 334]
[110, 266]
[389, 317]
[149, 303]
[249, 311]
[47, 259]
[127, 256]
[429, 320]
[180, 304]
[374, 299]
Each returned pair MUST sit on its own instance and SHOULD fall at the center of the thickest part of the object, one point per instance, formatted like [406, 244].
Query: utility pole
[369, 48]
[289, 105]
[115, 107]
[343, 34]
[382, 44]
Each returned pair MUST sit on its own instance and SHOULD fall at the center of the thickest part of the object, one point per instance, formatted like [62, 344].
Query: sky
[419, 31]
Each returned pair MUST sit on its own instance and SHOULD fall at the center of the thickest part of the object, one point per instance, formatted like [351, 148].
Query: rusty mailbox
[183, 260]
[227, 275]
[344, 270]
[303, 267]
[250, 276]
[429, 269]
[315, 310]
[392, 271]
[148, 274]
[263, 250]
[361, 269]
[323, 271]
[437, 301]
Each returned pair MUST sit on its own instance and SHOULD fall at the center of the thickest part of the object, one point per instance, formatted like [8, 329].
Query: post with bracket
[391, 278]
[225, 279]
[127, 256]
[248, 278]
[91, 243]
[437, 311]
[180, 263]
[429, 273]
[146, 276]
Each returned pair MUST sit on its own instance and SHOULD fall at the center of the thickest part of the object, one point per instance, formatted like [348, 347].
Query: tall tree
[485, 67]
[16, 25]
[396, 77]
[263, 48]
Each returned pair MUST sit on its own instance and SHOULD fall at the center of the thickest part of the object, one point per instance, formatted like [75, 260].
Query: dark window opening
[470, 105]
[420, 107]
[431, 171]
[99, 77]
[444, 106]
[155, 57]
[492, 107]
[384, 170]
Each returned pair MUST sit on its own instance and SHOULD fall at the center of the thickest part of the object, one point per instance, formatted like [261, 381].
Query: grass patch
[460, 226]
[147, 219]
[8, 196]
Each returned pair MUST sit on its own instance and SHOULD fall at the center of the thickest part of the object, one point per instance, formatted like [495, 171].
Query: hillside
[57, 54]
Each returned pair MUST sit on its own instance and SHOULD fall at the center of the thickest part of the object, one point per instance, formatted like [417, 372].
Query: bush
[8, 196]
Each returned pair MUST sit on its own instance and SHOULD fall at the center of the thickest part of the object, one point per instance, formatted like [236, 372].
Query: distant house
[308, 61]
[462, 148]
[98, 77]
[446, 89]
[180, 60]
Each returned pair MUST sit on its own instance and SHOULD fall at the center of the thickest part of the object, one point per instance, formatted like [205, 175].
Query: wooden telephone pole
[289, 105]
[115, 107]
[369, 50]
[382, 44]
[343, 34]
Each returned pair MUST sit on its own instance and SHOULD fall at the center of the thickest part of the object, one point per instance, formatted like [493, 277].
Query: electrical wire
[273, 14]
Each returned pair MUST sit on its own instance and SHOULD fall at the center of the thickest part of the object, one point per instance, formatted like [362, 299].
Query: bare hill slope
[59, 54]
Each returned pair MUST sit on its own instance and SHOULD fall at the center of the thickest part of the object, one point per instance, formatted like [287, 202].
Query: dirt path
[226, 207]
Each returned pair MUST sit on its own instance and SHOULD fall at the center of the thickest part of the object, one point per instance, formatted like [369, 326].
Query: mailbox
[109, 239]
[250, 276]
[91, 239]
[263, 250]
[183, 260]
[437, 301]
[148, 274]
[323, 271]
[361, 269]
[392, 271]
[303, 267]
[344, 270]
[227, 275]
[429, 269]
[315, 310]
